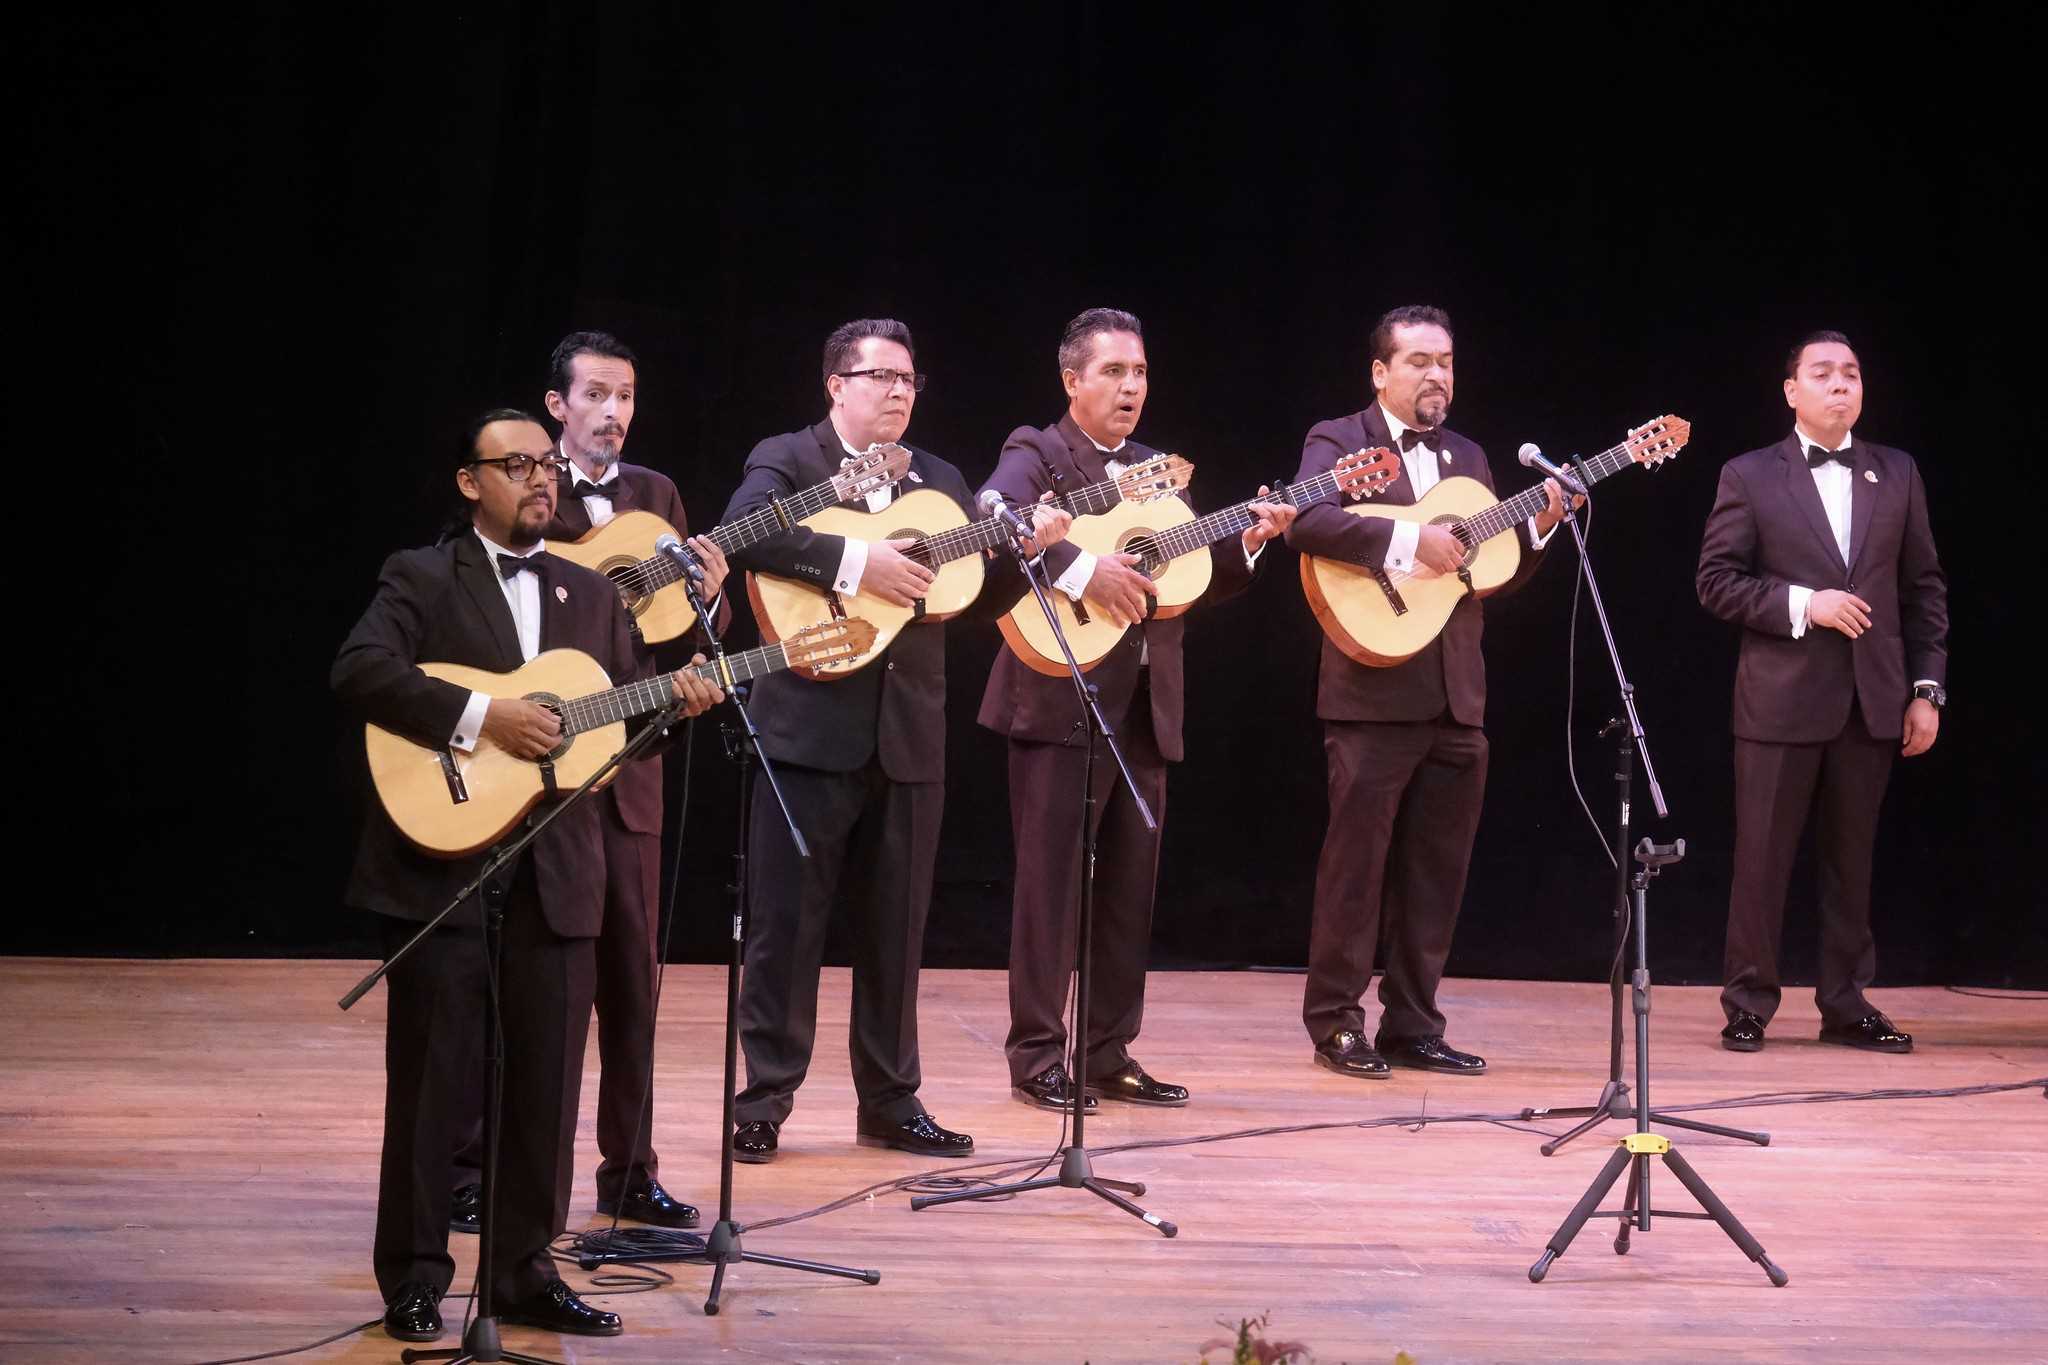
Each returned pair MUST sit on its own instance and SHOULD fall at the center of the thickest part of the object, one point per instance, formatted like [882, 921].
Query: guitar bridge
[458, 790]
[1400, 607]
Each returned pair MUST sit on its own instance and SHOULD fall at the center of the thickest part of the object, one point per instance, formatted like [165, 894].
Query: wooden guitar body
[1126, 528]
[616, 550]
[1354, 609]
[783, 606]
[490, 790]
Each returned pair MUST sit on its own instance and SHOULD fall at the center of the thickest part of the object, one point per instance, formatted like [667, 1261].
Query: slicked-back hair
[1413, 315]
[1077, 343]
[560, 366]
[842, 348]
[1811, 339]
[472, 433]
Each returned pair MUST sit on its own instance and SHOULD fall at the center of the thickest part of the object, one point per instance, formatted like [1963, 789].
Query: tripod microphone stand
[722, 1247]
[481, 1342]
[1629, 743]
[1076, 1172]
[1638, 1147]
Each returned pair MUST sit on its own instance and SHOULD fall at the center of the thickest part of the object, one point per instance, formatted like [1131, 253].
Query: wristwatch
[1934, 694]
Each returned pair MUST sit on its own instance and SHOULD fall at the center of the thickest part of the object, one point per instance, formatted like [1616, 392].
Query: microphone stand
[1629, 743]
[1076, 1173]
[721, 1246]
[481, 1342]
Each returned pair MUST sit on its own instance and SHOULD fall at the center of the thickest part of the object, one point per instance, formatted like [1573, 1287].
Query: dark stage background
[275, 265]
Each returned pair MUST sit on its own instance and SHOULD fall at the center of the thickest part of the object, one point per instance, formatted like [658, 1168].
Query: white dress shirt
[853, 560]
[597, 504]
[522, 595]
[1421, 465]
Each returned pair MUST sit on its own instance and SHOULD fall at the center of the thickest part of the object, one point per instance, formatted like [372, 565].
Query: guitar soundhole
[1451, 524]
[1140, 543]
[551, 702]
[621, 574]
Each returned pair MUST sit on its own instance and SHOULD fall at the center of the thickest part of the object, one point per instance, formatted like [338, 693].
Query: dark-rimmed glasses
[888, 379]
[519, 468]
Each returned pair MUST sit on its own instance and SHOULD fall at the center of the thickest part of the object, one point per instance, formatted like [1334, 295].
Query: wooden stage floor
[188, 1162]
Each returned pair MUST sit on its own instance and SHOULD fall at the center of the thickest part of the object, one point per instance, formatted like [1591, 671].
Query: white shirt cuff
[1539, 539]
[1796, 600]
[1926, 682]
[853, 562]
[1074, 581]
[1401, 546]
[469, 726]
[1251, 558]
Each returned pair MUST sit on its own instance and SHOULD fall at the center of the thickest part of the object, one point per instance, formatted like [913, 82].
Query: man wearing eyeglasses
[592, 391]
[491, 598]
[862, 760]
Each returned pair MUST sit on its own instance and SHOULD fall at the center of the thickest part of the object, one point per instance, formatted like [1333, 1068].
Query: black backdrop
[274, 265]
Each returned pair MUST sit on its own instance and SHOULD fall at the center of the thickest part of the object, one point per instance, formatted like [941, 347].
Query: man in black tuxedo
[592, 392]
[1406, 751]
[491, 598]
[1141, 691]
[862, 759]
[1819, 547]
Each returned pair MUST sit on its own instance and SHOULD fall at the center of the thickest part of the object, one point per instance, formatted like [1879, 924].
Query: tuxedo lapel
[1400, 492]
[1091, 464]
[1865, 488]
[1799, 487]
[479, 579]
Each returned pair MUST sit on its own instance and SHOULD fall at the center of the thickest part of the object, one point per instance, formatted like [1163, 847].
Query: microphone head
[667, 545]
[991, 500]
[1529, 454]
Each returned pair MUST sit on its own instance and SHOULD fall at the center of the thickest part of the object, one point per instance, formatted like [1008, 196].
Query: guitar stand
[1635, 1150]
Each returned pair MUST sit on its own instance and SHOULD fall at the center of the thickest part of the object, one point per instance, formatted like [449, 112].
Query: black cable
[1571, 692]
[295, 1350]
[1984, 994]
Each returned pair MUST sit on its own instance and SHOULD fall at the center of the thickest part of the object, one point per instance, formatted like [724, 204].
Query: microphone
[680, 553]
[996, 506]
[1533, 458]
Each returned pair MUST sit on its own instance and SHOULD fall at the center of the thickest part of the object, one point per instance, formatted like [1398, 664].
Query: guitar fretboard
[662, 570]
[973, 538]
[1503, 516]
[1158, 550]
[652, 694]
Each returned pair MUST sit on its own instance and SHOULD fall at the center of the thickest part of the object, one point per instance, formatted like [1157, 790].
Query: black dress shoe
[754, 1143]
[557, 1309]
[466, 1213]
[652, 1204]
[1051, 1088]
[1745, 1033]
[415, 1314]
[920, 1136]
[1429, 1054]
[1130, 1084]
[1348, 1054]
[1872, 1033]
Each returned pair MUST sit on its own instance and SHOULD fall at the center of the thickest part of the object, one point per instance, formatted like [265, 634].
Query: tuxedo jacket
[894, 705]
[1450, 672]
[1769, 531]
[1023, 703]
[443, 604]
[636, 792]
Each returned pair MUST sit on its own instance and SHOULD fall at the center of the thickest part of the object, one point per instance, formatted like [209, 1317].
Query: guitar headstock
[1657, 440]
[1154, 478]
[830, 642]
[1363, 473]
[875, 468]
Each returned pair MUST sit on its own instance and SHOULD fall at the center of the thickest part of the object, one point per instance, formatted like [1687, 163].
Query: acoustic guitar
[1165, 534]
[1381, 618]
[452, 804]
[649, 582]
[946, 543]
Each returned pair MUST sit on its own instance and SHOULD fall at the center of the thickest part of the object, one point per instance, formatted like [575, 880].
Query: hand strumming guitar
[1118, 590]
[892, 575]
[1438, 551]
[522, 728]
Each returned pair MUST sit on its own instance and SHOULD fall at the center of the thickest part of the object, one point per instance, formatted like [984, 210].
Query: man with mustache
[592, 391]
[1405, 748]
[490, 597]
[1819, 547]
[1140, 690]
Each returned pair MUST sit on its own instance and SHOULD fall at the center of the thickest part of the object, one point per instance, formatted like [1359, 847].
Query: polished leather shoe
[652, 1204]
[1429, 1054]
[754, 1143]
[1131, 1085]
[1348, 1054]
[1745, 1033]
[1051, 1089]
[557, 1309]
[415, 1314]
[466, 1213]
[1872, 1033]
[920, 1136]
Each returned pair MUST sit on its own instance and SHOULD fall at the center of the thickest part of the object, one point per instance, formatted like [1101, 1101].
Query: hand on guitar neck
[526, 729]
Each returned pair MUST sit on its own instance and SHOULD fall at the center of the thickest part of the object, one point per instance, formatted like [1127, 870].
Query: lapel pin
[1447, 457]
[913, 476]
[561, 593]
[1870, 475]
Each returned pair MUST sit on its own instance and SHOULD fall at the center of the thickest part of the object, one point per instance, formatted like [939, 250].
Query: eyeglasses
[888, 379]
[519, 468]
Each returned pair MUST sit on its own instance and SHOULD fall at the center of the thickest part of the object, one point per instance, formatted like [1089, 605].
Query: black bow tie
[1816, 457]
[511, 565]
[1433, 439]
[586, 489]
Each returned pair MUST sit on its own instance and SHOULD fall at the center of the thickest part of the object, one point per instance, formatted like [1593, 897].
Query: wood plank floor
[188, 1167]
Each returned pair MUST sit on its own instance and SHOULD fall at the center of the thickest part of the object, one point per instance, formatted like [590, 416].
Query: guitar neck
[1234, 520]
[652, 694]
[661, 570]
[977, 536]
[1514, 511]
